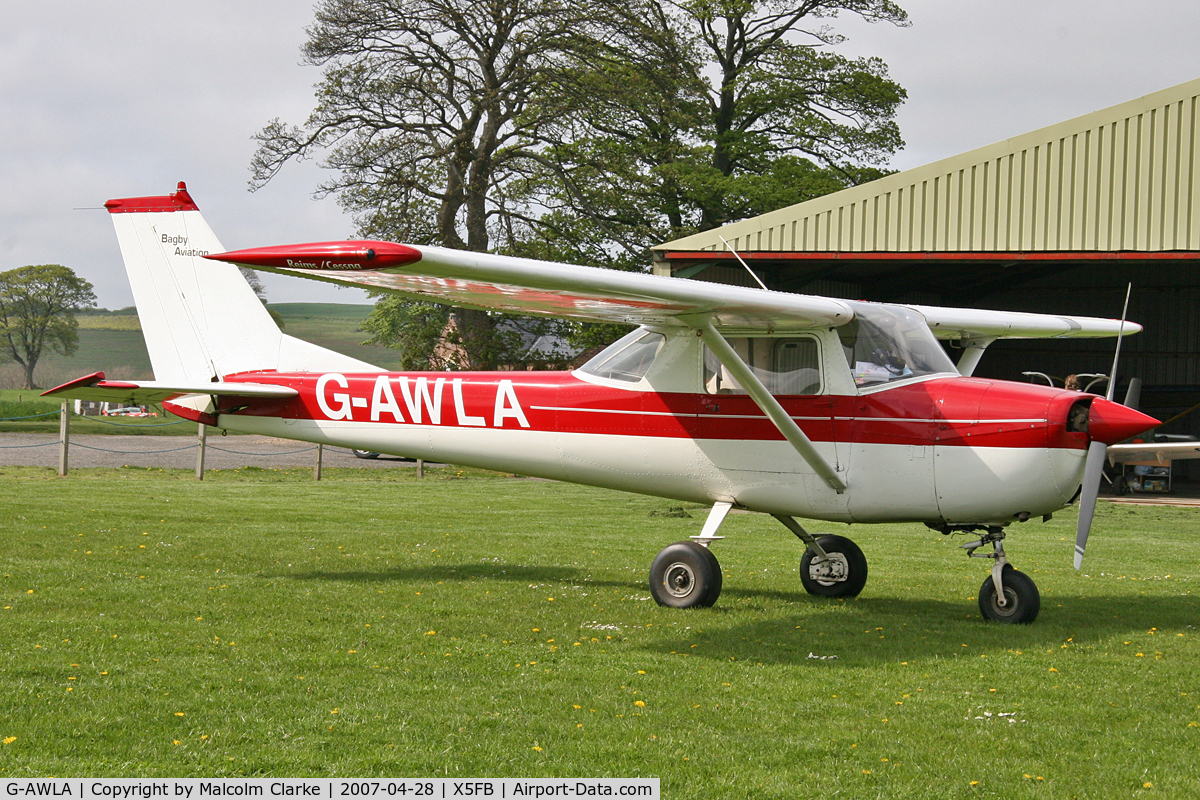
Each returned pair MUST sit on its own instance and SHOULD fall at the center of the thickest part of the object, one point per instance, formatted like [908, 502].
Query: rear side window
[785, 365]
[626, 359]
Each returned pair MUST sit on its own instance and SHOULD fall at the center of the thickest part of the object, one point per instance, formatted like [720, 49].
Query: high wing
[95, 387]
[528, 286]
[977, 323]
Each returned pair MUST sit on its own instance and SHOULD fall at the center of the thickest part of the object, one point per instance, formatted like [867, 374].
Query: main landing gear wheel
[1022, 600]
[685, 575]
[843, 574]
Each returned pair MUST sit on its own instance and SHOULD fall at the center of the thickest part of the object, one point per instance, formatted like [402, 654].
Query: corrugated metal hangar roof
[1123, 178]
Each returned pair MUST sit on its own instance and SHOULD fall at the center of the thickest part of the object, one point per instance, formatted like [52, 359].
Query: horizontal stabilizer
[95, 387]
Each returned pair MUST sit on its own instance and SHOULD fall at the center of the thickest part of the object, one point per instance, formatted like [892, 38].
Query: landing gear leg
[832, 566]
[1007, 596]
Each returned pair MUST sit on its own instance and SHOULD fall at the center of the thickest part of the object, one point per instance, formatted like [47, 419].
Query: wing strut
[972, 352]
[766, 401]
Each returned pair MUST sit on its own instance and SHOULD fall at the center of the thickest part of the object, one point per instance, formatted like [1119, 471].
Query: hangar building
[1058, 220]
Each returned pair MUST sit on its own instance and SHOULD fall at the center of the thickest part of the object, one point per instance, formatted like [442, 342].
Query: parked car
[128, 411]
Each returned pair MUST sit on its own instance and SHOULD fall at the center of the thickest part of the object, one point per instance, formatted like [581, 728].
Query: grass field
[476, 625]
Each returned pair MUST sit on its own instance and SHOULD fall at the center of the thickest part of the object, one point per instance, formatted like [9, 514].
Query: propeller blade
[1092, 470]
[1133, 395]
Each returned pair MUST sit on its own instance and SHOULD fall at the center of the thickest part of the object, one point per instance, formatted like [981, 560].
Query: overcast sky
[103, 100]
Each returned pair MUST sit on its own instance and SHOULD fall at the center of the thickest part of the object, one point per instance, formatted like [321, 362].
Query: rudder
[200, 319]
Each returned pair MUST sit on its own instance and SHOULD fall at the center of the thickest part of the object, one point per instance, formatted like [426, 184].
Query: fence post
[201, 440]
[420, 468]
[317, 463]
[64, 436]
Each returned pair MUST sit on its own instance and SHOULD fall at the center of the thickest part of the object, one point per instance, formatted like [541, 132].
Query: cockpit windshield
[891, 343]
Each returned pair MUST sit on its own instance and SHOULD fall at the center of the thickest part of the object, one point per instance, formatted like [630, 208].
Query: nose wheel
[1021, 598]
[1007, 596]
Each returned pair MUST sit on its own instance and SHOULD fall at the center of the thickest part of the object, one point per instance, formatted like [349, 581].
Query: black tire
[365, 454]
[1023, 599]
[850, 574]
[685, 575]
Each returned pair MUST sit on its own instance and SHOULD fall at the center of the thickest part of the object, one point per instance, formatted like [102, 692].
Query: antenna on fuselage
[743, 263]
[1112, 376]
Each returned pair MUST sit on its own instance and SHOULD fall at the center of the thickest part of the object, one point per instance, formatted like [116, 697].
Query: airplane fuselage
[945, 449]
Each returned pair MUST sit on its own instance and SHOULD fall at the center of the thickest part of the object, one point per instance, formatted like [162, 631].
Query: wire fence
[32, 416]
[97, 418]
[64, 442]
[129, 424]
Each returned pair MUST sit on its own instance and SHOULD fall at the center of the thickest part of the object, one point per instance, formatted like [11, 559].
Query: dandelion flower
[179, 713]
[9, 739]
[640, 703]
[536, 748]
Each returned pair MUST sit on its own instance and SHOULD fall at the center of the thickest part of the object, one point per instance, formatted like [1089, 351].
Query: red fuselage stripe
[949, 412]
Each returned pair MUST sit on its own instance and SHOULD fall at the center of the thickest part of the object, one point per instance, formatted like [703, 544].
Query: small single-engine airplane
[790, 405]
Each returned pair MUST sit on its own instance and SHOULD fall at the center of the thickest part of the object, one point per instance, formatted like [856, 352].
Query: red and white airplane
[790, 405]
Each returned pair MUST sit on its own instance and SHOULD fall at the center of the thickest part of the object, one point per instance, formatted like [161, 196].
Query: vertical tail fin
[200, 318]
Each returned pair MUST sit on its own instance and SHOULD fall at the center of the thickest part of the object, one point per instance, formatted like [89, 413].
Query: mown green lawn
[477, 625]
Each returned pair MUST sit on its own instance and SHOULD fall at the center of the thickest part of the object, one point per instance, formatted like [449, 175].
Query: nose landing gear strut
[1008, 595]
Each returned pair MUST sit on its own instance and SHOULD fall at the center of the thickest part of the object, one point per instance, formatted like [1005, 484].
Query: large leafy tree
[37, 312]
[426, 111]
[717, 110]
[582, 131]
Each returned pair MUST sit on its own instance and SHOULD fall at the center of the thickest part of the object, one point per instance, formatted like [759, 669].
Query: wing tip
[344, 255]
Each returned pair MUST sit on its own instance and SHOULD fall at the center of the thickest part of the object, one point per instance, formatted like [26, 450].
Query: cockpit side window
[786, 365]
[627, 359]
[890, 343]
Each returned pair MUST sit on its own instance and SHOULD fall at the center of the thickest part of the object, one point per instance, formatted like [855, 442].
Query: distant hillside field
[112, 342]
[335, 326]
